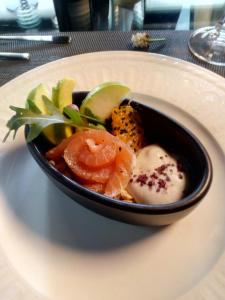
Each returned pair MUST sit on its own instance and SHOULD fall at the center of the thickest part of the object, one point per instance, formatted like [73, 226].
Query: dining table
[51, 247]
[175, 45]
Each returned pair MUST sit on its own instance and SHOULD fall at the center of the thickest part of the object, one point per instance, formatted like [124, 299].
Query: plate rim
[188, 65]
[157, 56]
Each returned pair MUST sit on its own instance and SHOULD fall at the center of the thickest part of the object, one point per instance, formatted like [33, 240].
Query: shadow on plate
[46, 211]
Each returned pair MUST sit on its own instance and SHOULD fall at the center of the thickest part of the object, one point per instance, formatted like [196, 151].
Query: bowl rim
[179, 205]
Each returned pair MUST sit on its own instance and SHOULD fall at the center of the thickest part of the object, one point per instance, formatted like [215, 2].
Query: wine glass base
[207, 46]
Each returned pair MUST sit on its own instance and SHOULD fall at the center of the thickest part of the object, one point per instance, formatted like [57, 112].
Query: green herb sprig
[37, 121]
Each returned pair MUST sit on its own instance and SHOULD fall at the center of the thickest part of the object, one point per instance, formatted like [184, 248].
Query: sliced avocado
[55, 95]
[61, 96]
[100, 102]
[35, 97]
[62, 93]
[57, 132]
[34, 102]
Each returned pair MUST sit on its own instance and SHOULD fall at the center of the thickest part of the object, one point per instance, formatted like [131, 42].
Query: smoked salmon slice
[97, 187]
[57, 152]
[100, 160]
[122, 171]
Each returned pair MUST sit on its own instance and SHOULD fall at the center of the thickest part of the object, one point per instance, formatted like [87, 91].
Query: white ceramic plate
[53, 248]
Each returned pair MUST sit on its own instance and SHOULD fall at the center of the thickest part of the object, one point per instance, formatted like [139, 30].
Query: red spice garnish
[142, 179]
[167, 178]
[154, 176]
[159, 177]
[161, 184]
[162, 168]
[150, 183]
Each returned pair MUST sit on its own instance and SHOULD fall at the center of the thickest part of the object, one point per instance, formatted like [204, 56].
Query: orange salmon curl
[98, 159]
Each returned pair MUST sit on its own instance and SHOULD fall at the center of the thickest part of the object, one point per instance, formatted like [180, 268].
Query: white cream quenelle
[157, 177]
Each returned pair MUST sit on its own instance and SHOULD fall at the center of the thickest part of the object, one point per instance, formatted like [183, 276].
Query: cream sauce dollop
[157, 178]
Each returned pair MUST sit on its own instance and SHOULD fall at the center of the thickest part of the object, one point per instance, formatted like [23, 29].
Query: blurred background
[124, 15]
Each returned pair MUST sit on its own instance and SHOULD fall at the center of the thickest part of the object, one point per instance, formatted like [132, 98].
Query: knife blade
[14, 55]
[63, 39]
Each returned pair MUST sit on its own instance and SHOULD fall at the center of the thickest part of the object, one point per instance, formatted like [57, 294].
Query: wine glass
[208, 43]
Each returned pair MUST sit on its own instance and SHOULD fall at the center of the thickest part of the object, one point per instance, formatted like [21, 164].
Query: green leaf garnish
[34, 131]
[37, 121]
[32, 106]
[88, 112]
[98, 126]
[74, 115]
[91, 117]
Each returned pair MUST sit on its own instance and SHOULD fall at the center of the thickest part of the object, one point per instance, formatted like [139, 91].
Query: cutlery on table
[39, 38]
[14, 55]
